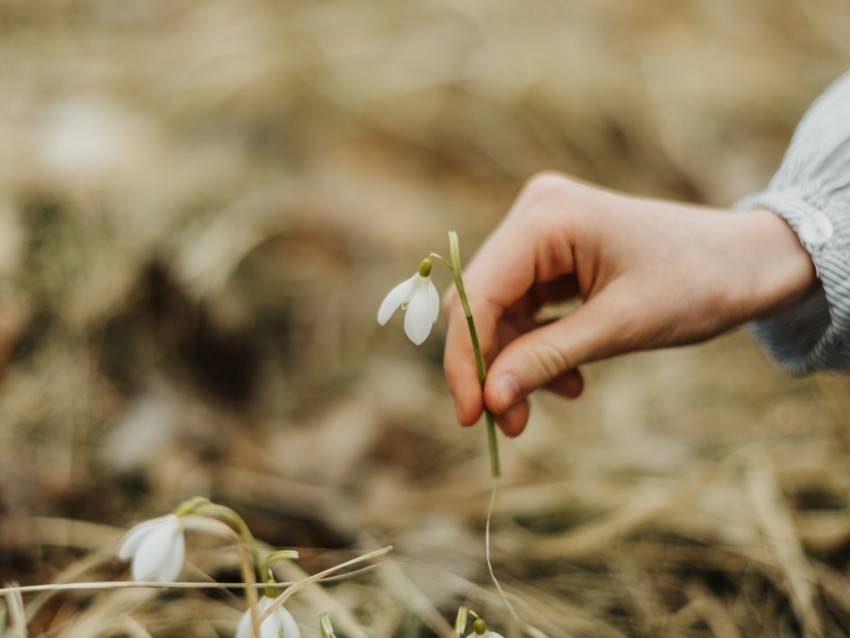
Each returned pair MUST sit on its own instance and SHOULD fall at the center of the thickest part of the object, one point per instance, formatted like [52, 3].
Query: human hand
[650, 274]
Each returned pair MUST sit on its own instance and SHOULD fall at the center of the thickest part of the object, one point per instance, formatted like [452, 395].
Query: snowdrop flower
[280, 624]
[479, 630]
[418, 297]
[156, 548]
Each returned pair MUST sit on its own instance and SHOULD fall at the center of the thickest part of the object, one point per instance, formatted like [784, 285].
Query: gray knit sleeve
[811, 191]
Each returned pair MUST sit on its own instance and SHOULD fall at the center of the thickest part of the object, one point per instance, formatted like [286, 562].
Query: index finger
[524, 249]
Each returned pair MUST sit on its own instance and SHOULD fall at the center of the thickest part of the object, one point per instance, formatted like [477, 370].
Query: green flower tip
[425, 267]
[185, 508]
[479, 627]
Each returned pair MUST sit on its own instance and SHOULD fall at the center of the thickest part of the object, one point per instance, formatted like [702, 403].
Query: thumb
[545, 354]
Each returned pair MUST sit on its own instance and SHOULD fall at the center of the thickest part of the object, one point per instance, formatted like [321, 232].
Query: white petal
[133, 537]
[288, 624]
[420, 316]
[243, 630]
[246, 627]
[280, 624]
[173, 563]
[271, 627]
[433, 300]
[396, 297]
[154, 549]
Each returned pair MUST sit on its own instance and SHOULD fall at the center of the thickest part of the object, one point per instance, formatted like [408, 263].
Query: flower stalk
[492, 441]
[223, 513]
[266, 568]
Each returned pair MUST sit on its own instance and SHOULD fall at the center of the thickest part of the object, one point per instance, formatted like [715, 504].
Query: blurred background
[202, 205]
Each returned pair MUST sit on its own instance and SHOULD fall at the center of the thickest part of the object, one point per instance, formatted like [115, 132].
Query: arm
[654, 274]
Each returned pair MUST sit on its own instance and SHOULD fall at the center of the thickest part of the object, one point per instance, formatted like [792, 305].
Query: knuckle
[549, 360]
[544, 187]
[550, 192]
[551, 196]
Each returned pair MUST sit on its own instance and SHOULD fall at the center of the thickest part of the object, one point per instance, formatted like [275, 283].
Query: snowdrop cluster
[156, 549]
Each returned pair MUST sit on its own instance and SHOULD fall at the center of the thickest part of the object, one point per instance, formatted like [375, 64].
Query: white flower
[419, 298]
[479, 630]
[279, 624]
[156, 548]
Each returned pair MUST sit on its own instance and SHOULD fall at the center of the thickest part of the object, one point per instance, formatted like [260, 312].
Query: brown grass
[201, 206]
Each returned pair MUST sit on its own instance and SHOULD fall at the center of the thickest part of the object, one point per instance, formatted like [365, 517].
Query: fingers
[514, 420]
[519, 263]
[462, 372]
[569, 385]
[497, 278]
[459, 364]
[549, 356]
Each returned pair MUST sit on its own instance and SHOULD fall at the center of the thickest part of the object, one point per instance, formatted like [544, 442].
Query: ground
[202, 205]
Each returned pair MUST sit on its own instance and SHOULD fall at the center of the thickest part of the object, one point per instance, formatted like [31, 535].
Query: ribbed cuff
[815, 334]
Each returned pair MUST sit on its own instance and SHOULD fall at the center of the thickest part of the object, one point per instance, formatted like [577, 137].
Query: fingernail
[505, 391]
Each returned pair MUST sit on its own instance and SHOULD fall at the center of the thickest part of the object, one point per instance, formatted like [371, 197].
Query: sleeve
[811, 191]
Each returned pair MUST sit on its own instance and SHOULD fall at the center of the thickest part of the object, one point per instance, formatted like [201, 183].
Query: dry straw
[199, 206]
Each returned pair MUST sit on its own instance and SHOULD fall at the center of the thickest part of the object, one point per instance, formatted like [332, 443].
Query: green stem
[266, 568]
[460, 622]
[227, 515]
[493, 442]
[442, 259]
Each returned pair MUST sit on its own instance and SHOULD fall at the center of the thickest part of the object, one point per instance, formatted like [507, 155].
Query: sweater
[811, 191]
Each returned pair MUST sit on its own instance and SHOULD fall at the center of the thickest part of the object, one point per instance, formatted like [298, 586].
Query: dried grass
[201, 205]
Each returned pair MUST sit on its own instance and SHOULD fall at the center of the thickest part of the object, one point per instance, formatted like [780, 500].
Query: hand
[650, 274]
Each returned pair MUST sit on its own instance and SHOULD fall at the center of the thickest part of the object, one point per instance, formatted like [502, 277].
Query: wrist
[784, 273]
